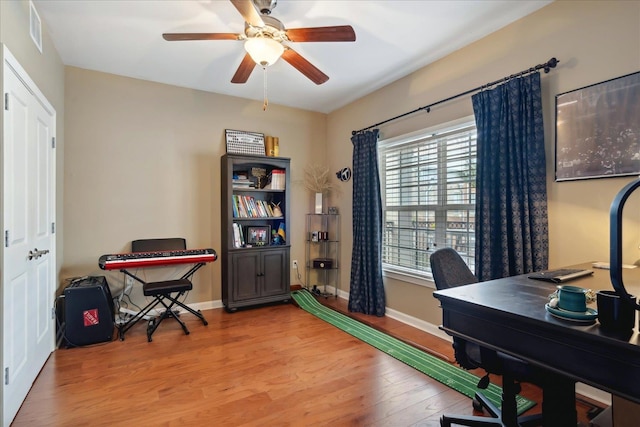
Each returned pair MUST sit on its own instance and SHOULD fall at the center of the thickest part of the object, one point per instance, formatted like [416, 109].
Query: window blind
[428, 186]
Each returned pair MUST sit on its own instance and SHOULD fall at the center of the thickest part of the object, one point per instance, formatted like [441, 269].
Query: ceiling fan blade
[339, 33]
[200, 36]
[248, 12]
[244, 70]
[304, 66]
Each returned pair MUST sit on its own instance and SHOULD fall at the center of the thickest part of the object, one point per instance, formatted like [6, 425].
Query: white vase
[318, 203]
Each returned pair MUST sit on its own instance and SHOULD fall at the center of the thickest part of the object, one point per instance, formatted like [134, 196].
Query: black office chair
[165, 293]
[450, 270]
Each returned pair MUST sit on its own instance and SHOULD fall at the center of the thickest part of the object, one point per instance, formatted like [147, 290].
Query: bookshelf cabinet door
[245, 278]
[274, 265]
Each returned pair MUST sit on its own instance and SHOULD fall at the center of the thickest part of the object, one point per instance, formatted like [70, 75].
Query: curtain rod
[547, 66]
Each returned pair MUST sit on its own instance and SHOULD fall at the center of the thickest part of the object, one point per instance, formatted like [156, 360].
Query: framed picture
[598, 130]
[258, 236]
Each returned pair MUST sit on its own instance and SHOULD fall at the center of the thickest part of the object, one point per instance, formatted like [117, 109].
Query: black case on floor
[88, 312]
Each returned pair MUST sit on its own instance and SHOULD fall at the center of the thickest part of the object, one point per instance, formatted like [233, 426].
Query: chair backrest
[152, 245]
[449, 269]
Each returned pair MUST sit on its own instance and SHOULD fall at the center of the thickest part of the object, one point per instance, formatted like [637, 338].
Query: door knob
[35, 253]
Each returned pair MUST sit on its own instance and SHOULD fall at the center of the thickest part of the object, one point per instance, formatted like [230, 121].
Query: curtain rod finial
[550, 64]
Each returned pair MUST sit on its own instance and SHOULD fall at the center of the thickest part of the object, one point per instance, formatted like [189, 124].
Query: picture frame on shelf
[258, 235]
[597, 130]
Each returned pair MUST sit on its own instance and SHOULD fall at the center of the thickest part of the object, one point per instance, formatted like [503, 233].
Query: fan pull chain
[266, 101]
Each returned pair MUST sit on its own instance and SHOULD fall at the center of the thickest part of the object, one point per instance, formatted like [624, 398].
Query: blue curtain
[366, 293]
[511, 180]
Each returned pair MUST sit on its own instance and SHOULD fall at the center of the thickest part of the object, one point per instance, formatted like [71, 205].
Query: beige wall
[143, 161]
[594, 41]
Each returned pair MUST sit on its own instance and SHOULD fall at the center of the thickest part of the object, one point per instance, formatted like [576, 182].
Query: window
[428, 191]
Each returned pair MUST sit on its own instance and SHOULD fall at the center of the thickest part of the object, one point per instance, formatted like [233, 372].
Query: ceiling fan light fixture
[263, 50]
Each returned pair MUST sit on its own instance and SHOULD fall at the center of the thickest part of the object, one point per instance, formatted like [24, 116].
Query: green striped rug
[444, 372]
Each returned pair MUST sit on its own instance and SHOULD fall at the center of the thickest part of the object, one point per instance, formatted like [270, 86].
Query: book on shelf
[243, 184]
[241, 208]
[251, 203]
[234, 206]
[242, 241]
[237, 242]
[276, 180]
[240, 180]
[262, 209]
[250, 207]
[240, 175]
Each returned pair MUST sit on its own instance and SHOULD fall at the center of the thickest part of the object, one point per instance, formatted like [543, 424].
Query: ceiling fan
[265, 40]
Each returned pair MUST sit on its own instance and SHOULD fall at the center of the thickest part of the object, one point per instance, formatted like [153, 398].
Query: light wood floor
[274, 365]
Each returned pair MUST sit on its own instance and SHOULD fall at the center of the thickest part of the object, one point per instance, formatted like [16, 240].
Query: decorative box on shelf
[243, 142]
[324, 263]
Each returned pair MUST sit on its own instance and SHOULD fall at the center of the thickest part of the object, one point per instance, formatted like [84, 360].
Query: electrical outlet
[295, 264]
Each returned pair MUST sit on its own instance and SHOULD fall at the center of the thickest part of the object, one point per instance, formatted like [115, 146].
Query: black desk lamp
[615, 233]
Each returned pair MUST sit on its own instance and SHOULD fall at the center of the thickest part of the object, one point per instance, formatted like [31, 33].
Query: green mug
[572, 298]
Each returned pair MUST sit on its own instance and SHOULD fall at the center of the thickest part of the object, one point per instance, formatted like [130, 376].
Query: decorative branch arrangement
[317, 179]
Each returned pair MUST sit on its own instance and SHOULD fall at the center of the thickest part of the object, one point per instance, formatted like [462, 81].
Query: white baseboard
[418, 324]
[409, 320]
[206, 305]
[593, 393]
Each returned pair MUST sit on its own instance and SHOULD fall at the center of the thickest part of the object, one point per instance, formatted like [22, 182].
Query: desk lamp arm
[615, 234]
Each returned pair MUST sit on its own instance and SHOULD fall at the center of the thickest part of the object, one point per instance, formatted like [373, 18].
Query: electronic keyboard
[156, 258]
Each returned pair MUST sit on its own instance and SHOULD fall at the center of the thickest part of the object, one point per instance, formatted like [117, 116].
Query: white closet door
[28, 240]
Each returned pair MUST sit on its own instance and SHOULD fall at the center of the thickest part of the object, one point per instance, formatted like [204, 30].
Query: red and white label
[90, 317]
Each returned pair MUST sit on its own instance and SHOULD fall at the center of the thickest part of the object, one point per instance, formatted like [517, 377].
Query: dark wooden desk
[509, 315]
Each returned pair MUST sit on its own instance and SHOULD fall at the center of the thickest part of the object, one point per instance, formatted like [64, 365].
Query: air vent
[35, 26]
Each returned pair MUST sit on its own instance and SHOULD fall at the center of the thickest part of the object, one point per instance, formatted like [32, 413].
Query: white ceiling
[393, 39]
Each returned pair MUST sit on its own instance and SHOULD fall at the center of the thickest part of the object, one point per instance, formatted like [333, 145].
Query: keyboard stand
[162, 291]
